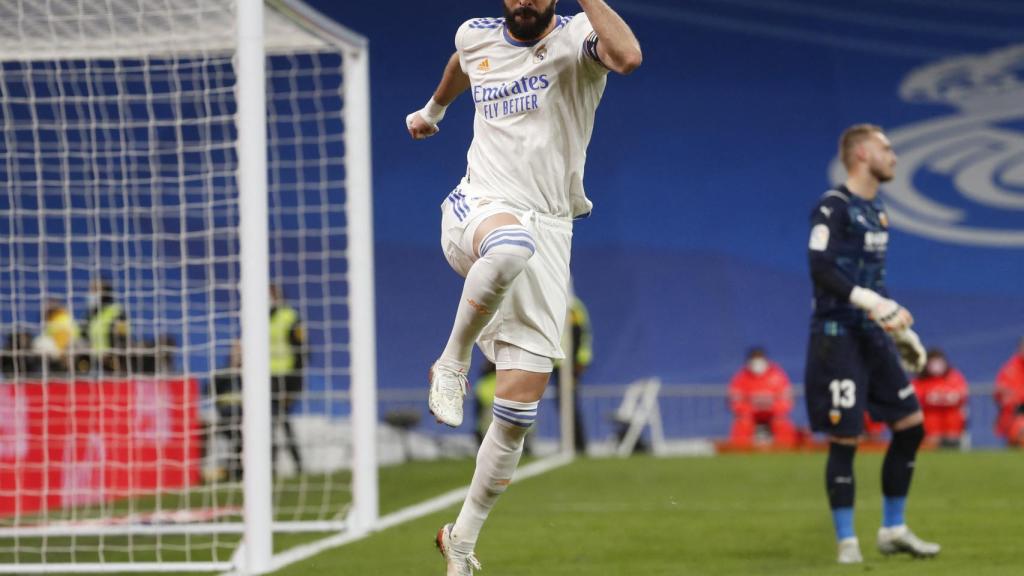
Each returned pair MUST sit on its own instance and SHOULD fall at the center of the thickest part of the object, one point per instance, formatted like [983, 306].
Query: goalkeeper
[859, 338]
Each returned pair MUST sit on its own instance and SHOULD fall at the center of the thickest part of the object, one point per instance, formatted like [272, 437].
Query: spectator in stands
[17, 360]
[760, 396]
[1009, 397]
[942, 391]
[582, 356]
[57, 342]
[287, 359]
[106, 328]
[227, 390]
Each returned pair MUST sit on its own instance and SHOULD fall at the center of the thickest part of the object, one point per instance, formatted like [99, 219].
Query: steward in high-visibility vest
[582, 356]
[285, 341]
[287, 358]
[106, 328]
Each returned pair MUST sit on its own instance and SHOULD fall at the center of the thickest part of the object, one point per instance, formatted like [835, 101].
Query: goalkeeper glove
[912, 354]
[885, 312]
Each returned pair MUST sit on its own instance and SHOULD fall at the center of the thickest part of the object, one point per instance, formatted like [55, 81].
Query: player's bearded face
[526, 23]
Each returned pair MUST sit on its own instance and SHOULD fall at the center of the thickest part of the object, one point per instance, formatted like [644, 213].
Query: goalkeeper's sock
[495, 463]
[897, 472]
[842, 521]
[892, 511]
[841, 489]
[504, 253]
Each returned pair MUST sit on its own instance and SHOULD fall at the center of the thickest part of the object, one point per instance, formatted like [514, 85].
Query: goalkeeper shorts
[850, 371]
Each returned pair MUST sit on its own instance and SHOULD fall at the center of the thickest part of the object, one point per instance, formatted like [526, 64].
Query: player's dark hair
[853, 136]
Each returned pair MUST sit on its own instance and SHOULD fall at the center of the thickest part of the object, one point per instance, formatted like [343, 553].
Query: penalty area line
[407, 514]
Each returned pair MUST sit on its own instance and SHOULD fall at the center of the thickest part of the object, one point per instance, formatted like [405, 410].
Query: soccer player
[536, 79]
[858, 338]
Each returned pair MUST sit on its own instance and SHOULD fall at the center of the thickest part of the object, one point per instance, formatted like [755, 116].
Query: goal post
[165, 164]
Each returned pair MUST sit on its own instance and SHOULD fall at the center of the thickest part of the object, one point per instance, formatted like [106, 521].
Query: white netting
[118, 162]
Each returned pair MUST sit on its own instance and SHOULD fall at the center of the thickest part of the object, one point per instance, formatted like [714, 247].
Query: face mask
[93, 299]
[936, 367]
[757, 366]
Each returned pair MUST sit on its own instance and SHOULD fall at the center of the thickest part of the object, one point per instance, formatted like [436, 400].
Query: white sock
[503, 255]
[495, 464]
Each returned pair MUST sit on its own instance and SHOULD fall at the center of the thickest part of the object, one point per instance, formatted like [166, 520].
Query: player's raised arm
[617, 47]
[423, 123]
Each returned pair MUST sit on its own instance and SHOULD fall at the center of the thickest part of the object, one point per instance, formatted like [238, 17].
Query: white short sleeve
[585, 39]
[460, 43]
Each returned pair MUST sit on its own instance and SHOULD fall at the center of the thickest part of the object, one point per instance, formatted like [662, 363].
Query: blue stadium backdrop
[703, 168]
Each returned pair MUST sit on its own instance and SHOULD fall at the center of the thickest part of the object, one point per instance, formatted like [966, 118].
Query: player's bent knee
[508, 248]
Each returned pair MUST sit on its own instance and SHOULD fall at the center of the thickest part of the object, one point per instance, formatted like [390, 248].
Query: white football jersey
[535, 104]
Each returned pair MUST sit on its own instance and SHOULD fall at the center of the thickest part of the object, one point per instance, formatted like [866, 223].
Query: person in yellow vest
[582, 356]
[287, 359]
[106, 328]
[59, 337]
[483, 392]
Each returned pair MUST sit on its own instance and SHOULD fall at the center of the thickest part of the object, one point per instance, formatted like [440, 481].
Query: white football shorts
[533, 313]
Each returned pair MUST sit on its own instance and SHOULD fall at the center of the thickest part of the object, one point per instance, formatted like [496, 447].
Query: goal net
[121, 395]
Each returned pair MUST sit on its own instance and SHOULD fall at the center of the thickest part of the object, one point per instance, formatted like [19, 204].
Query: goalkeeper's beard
[532, 31]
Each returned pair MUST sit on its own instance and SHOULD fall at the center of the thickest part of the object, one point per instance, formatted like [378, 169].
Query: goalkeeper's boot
[447, 390]
[900, 539]
[849, 551]
[458, 564]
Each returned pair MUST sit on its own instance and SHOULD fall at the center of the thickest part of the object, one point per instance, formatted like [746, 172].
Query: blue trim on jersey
[486, 23]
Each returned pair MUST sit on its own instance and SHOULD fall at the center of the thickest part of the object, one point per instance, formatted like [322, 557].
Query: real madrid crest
[540, 53]
[883, 219]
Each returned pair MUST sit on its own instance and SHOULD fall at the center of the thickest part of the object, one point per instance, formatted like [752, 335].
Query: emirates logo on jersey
[484, 66]
[540, 53]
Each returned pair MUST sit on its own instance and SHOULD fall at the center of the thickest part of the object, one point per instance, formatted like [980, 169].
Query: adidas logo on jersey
[484, 66]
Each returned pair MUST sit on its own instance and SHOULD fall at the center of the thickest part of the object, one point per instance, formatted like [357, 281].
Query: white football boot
[447, 390]
[849, 551]
[458, 564]
[900, 539]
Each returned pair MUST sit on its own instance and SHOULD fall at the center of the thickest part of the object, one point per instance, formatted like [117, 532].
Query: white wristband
[864, 298]
[433, 112]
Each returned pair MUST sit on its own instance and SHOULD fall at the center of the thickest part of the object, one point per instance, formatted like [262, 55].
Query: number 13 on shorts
[844, 396]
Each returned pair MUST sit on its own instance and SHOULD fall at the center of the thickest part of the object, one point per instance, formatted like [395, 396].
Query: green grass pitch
[736, 514]
[725, 515]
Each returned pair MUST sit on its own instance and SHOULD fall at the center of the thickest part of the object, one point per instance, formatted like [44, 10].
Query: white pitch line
[436, 504]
